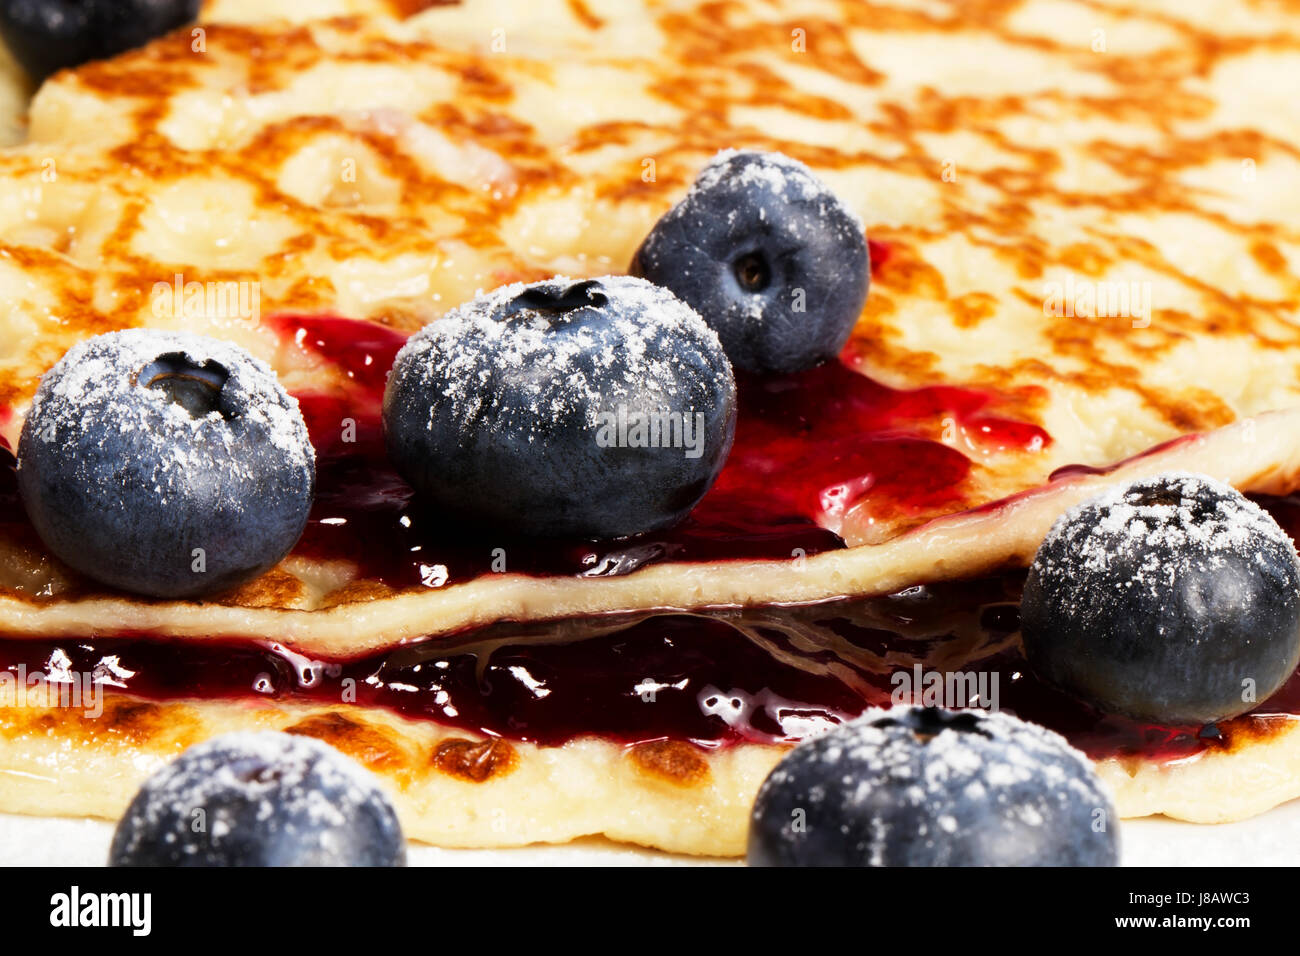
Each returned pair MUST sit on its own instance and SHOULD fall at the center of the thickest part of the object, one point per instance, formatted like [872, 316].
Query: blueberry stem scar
[196, 388]
[580, 295]
[752, 272]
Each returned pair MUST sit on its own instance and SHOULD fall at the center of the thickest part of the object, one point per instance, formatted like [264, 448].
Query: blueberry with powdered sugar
[260, 799]
[599, 408]
[164, 463]
[1173, 600]
[768, 255]
[928, 787]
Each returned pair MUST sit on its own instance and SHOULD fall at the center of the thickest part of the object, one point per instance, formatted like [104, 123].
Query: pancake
[1084, 271]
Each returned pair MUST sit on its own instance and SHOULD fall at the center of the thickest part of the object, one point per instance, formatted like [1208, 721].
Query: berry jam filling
[763, 675]
[808, 448]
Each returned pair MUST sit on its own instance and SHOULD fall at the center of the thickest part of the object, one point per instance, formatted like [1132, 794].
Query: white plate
[1272, 839]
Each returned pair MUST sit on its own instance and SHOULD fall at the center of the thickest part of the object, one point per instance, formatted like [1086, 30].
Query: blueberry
[929, 787]
[167, 464]
[49, 35]
[260, 799]
[768, 255]
[1174, 600]
[600, 408]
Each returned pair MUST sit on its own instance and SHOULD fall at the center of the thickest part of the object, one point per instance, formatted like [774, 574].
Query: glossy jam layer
[808, 448]
[768, 675]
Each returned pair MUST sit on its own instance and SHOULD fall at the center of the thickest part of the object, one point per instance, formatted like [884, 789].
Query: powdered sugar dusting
[90, 398]
[781, 175]
[1005, 751]
[558, 368]
[987, 775]
[1156, 528]
[273, 781]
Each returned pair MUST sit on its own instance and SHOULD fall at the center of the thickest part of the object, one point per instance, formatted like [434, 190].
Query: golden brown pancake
[1084, 214]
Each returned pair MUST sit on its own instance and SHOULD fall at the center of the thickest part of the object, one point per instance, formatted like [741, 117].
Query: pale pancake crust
[387, 169]
[993, 147]
[462, 790]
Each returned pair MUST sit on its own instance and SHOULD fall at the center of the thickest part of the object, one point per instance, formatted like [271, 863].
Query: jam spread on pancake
[808, 448]
[762, 676]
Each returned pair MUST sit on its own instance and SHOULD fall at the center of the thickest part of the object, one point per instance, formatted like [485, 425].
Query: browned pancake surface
[1140, 162]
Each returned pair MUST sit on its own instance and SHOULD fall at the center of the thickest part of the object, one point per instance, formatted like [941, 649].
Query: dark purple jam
[808, 447]
[762, 675]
